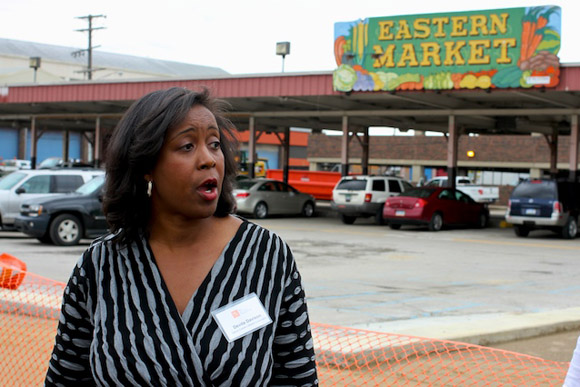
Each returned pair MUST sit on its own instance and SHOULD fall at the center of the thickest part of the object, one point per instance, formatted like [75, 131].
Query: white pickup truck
[479, 193]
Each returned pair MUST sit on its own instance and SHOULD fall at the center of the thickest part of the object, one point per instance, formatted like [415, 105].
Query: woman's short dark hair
[134, 148]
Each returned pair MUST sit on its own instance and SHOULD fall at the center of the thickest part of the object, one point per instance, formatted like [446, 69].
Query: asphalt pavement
[549, 334]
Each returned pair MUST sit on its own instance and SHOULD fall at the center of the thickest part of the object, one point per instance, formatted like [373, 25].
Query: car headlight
[34, 210]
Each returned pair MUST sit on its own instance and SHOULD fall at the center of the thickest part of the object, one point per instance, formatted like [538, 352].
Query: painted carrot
[339, 49]
[542, 22]
[524, 48]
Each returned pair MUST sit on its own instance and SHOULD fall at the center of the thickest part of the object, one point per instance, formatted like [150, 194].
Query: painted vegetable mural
[506, 48]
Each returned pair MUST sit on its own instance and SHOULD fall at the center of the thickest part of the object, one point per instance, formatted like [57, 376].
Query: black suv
[66, 219]
[545, 204]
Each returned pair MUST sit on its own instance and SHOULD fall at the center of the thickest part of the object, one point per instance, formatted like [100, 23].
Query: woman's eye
[215, 145]
[187, 147]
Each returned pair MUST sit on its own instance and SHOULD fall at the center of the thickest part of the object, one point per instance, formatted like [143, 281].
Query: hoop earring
[149, 187]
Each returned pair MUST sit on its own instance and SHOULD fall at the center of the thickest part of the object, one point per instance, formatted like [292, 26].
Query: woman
[181, 293]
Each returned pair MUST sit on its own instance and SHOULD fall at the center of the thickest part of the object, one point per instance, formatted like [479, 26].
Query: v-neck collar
[216, 267]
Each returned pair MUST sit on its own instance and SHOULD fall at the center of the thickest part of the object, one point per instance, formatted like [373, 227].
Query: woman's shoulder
[102, 247]
[255, 229]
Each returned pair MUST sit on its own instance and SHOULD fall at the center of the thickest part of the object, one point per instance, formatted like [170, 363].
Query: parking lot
[372, 277]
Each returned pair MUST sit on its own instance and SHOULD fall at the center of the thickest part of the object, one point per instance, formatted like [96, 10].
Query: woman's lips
[208, 190]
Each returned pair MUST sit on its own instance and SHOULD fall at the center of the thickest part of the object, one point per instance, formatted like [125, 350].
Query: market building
[523, 94]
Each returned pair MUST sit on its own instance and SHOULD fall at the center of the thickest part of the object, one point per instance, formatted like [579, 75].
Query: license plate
[347, 198]
[530, 211]
[399, 213]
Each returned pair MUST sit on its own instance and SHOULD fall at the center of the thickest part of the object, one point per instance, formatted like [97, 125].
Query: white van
[21, 185]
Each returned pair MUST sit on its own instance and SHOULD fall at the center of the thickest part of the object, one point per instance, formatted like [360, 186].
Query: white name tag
[241, 317]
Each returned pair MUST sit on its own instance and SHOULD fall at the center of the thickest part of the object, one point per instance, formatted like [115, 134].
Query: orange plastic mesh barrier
[28, 319]
[354, 357]
[346, 357]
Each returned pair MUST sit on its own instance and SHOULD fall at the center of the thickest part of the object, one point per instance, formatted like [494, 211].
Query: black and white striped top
[120, 327]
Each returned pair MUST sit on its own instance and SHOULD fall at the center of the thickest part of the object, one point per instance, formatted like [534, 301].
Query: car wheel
[436, 222]
[347, 219]
[482, 220]
[394, 226]
[570, 229]
[308, 209]
[261, 210]
[379, 217]
[66, 230]
[521, 231]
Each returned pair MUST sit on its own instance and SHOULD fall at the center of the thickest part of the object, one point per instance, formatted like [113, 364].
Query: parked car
[435, 207]
[364, 196]
[479, 193]
[22, 185]
[57, 162]
[66, 219]
[11, 165]
[545, 204]
[264, 197]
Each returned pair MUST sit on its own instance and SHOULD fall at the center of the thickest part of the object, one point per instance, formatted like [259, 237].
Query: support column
[574, 148]
[22, 137]
[344, 148]
[97, 143]
[252, 148]
[365, 151]
[33, 143]
[286, 159]
[418, 172]
[65, 146]
[452, 147]
[535, 173]
[554, 153]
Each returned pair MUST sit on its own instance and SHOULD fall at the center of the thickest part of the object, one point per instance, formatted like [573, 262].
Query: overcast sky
[238, 36]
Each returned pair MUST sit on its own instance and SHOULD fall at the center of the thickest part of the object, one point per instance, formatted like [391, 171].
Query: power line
[90, 48]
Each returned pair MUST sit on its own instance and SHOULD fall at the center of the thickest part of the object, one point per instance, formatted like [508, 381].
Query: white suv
[22, 185]
[364, 196]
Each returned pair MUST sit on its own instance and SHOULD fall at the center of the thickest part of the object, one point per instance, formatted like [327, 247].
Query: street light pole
[283, 48]
[34, 63]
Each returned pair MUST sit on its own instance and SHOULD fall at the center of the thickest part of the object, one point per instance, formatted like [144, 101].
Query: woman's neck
[178, 232]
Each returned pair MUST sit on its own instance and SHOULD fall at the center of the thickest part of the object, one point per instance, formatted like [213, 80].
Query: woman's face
[188, 176]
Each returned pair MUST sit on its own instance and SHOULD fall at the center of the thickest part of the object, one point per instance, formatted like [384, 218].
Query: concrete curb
[484, 329]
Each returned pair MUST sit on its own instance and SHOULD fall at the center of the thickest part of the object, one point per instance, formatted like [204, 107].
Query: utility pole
[89, 50]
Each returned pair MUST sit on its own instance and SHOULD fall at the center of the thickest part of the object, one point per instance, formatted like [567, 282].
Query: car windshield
[11, 180]
[352, 184]
[419, 193]
[245, 184]
[91, 186]
[536, 189]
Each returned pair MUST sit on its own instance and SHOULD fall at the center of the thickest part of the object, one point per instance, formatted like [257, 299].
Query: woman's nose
[208, 164]
[206, 159]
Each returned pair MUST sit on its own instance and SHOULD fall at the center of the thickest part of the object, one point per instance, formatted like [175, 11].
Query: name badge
[241, 317]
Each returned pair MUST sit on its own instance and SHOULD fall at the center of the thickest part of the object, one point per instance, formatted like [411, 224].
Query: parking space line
[564, 290]
[543, 245]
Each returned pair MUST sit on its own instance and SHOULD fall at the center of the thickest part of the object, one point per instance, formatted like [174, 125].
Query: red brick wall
[526, 149]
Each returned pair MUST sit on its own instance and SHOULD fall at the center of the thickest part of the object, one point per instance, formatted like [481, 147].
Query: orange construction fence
[29, 314]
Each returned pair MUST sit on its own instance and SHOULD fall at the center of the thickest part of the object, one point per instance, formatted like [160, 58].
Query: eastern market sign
[513, 47]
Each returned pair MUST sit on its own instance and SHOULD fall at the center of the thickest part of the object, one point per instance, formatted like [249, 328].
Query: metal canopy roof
[308, 101]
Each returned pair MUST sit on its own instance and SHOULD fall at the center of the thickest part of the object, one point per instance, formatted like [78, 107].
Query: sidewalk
[485, 329]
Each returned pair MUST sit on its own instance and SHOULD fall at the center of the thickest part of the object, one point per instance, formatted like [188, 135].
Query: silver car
[263, 197]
